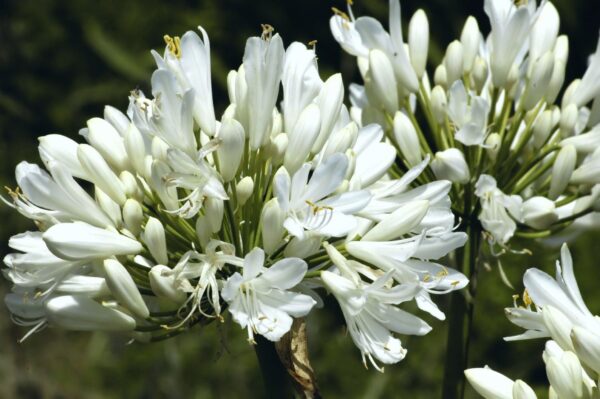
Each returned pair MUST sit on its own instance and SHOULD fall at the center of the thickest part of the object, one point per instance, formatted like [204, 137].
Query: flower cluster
[487, 115]
[552, 308]
[255, 214]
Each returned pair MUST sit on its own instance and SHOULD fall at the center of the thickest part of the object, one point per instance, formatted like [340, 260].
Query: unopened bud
[562, 170]
[568, 119]
[440, 77]
[539, 212]
[418, 41]
[454, 62]
[214, 213]
[244, 190]
[303, 136]
[154, 238]
[81, 313]
[383, 80]
[480, 73]
[271, 222]
[450, 165]
[439, 103]
[231, 148]
[470, 38]
[131, 186]
[538, 81]
[123, 288]
[542, 129]
[133, 216]
[407, 139]
[492, 145]
[100, 173]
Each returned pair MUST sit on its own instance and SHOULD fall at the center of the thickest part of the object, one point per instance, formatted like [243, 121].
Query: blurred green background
[62, 61]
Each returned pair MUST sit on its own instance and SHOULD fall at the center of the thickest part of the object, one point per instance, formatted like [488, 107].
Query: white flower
[371, 317]
[469, 113]
[492, 385]
[310, 205]
[259, 299]
[498, 210]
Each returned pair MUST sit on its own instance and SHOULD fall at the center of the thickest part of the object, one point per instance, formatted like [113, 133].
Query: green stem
[275, 378]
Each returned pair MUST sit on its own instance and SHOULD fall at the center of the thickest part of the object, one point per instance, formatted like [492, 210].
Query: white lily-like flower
[370, 313]
[498, 210]
[259, 299]
[309, 203]
[562, 298]
[469, 113]
[491, 384]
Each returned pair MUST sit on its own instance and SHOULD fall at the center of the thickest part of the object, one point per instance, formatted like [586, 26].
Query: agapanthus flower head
[488, 112]
[191, 217]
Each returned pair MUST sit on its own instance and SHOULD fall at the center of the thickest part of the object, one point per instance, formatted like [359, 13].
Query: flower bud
[587, 173]
[450, 165]
[569, 91]
[470, 38]
[298, 248]
[538, 80]
[154, 238]
[131, 186]
[480, 73]
[277, 123]
[116, 118]
[562, 169]
[511, 81]
[418, 41]
[136, 149]
[492, 145]
[133, 216]
[231, 148]
[440, 77]
[330, 101]
[402, 221]
[561, 49]
[81, 241]
[565, 375]
[556, 80]
[277, 148]
[123, 288]
[407, 139]
[587, 346]
[342, 139]
[539, 212]
[62, 150]
[439, 103]
[100, 173]
[81, 313]
[244, 190]
[302, 137]
[271, 222]
[214, 213]
[568, 119]
[383, 80]
[559, 326]
[163, 284]
[453, 62]
[542, 128]
[203, 230]
[110, 207]
[522, 391]
[544, 31]
[105, 138]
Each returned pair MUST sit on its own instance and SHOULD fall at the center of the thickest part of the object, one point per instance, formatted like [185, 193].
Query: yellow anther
[267, 31]
[312, 43]
[338, 12]
[427, 278]
[350, 2]
[317, 208]
[454, 283]
[442, 273]
[173, 45]
[526, 298]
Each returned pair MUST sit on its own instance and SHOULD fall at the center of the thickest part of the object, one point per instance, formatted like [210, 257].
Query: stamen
[340, 13]
[267, 31]
[526, 298]
[173, 45]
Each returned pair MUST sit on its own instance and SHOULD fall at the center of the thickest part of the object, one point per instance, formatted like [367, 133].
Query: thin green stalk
[276, 379]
